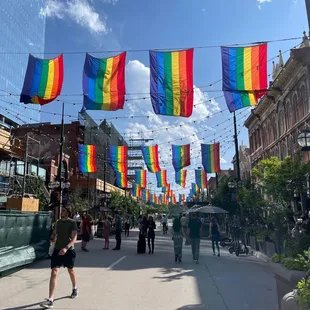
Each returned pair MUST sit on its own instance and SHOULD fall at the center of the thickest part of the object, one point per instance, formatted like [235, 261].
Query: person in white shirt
[76, 217]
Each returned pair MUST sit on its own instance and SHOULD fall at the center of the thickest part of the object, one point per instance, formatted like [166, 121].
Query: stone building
[274, 124]
[245, 162]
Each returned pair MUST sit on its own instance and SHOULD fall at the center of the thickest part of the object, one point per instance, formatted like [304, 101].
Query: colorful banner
[195, 189]
[150, 155]
[161, 177]
[201, 178]
[211, 157]
[146, 195]
[141, 178]
[180, 177]
[121, 179]
[181, 156]
[118, 158]
[172, 91]
[87, 158]
[166, 189]
[43, 80]
[136, 190]
[244, 75]
[181, 198]
[104, 82]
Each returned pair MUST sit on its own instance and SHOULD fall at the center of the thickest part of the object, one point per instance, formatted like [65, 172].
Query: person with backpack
[215, 235]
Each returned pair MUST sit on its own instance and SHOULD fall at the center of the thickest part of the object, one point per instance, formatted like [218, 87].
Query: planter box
[288, 302]
[286, 280]
[23, 204]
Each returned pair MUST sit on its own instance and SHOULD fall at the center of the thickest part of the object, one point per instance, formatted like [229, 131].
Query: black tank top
[214, 229]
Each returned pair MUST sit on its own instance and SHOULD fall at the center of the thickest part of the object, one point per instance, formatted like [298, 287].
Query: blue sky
[120, 25]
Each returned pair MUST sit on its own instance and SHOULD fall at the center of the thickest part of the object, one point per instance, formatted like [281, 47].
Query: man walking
[195, 228]
[118, 231]
[64, 236]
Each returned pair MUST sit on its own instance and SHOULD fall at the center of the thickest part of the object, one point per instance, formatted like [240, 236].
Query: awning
[208, 210]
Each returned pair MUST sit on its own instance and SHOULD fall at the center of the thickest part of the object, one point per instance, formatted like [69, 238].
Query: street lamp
[303, 140]
[235, 184]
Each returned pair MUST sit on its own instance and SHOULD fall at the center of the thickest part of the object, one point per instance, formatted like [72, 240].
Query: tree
[78, 200]
[126, 204]
[223, 197]
[281, 180]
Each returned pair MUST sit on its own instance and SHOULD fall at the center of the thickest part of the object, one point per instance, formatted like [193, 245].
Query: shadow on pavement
[24, 307]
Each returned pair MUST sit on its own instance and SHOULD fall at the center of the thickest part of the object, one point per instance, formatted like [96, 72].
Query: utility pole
[25, 165]
[62, 134]
[236, 149]
[308, 13]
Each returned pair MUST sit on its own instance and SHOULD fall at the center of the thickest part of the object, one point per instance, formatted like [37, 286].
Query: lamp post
[303, 140]
[235, 184]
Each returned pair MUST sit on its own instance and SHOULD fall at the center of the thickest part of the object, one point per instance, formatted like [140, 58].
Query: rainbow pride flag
[43, 80]
[211, 157]
[166, 189]
[140, 176]
[244, 75]
[174, 200]
[161, 177]
[150, 155]
[180, 177]
[121, 179]
[146, 195]
[181, 156]
[172, 91]
[87, 158]
[195, 189]
[118, 158]
[104, 83]
[181, 198]
[201, 178]
[136, 190]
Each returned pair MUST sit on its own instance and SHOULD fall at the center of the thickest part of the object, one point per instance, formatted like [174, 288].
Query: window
[296, 109]
[281, 123]
[304, 100]
[275, 131]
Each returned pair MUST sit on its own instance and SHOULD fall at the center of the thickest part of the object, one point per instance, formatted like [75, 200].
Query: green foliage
[304, 260]
[292, 264]
[223, 197]
[303, 293]
[126, 204]
[297, 245]
[276, 258]
[281, 179]
[35, 185]
[77, 200]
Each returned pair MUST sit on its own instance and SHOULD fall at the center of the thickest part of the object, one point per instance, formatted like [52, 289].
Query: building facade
[22, 31]
[244, 162]
[283, 112]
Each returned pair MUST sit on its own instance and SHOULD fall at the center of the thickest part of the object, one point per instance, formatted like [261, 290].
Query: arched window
[304, 100]
[281, 123]
[258, 137]
[283, 150]
[275, 131]
[295, 107]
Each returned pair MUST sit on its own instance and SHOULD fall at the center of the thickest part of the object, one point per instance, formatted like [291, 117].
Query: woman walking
[177, 239]
[215, 235]
[86, 231]
[127, 226]
[106, 233]
[151, 234]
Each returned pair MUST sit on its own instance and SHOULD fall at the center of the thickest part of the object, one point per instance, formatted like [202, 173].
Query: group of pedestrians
[191, 230]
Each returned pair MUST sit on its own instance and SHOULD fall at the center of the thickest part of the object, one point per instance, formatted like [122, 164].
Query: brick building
[245, 162]
[283, 112]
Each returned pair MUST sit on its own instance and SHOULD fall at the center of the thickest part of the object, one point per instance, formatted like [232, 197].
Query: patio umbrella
[209, 210]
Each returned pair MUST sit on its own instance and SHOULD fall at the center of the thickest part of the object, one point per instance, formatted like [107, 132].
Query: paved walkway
[123, 280]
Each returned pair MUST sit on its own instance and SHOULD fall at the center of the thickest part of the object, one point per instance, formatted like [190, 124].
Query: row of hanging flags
[210, 154]
[244, 71]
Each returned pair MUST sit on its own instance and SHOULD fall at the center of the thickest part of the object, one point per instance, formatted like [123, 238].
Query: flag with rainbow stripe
[180, 177]
[104, 83]
[87, 158]
[172, 91]
[118, 157]
[43, 80]
[180, 156]
[150, 155]
[121, 179]
[201, 178]
[244, 75]
[195, 189]
[161, 177]
[211, 157]
[140, 177]
[136, 190]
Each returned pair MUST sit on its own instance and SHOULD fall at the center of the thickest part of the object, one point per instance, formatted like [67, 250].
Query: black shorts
[85, 237]
[66, 260]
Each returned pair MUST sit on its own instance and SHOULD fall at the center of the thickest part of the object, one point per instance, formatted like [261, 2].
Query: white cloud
[80, 11]
[181, 130]
[260, 2]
